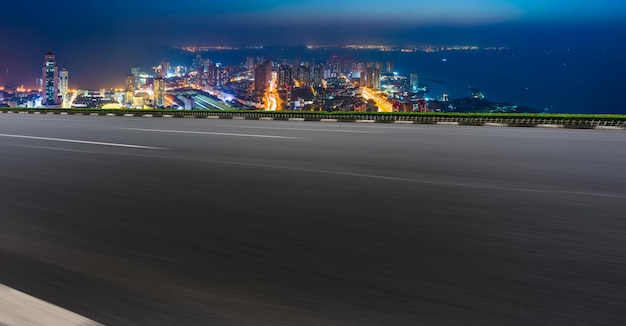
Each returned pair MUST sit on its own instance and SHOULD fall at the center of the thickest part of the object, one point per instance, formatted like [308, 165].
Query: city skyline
[98, 44]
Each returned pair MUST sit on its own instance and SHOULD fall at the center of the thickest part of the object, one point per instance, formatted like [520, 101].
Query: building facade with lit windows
[50, 78]
[159, 92]
[285, 77]
[136, 72]
[64, 86]
[373, 77]
[130, 90]
[262, 75]
[414, 80]
[165, 69]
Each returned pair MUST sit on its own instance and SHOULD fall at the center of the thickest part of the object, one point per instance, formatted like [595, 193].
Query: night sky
[99, 40]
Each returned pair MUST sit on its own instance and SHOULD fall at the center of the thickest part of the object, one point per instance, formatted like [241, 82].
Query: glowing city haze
[93, 38]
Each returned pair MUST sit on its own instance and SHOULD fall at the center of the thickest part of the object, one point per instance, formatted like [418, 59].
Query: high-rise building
[373, 77]
[159, 92]
[136, 72]
[346, 65]
[316, 75]
[414, 80]
[334, 65]
[285, 77]
[220, 76]
[64, 86]
[206, 63]
[304, 75]
[212, 74]
[363, 78]
[262, 75]
[389, 67]
[376, 79]
[224, 75]
[250, 64]
[200, 76]
[130, 89]
[197, 62]
[50, 87]
[327, 73]
[165, 69]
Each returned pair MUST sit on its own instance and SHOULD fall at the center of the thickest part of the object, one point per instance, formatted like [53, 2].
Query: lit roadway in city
[271, 96]
[71, 99]
[381, 101]
[162, 221]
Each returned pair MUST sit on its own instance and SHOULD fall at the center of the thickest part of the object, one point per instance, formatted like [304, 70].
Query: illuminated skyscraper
[285, 77]
[389, 67]
[159, 92]
[334, 65]
[346, 65]
[376, 79]
[414, 80]
[212, 74]
[373, 77]
[206, 63]
[262, 75]
[130, 89]
[250, 65]
[50, 87]
[363, 78]
[197, 62]
[165, 69]
[316, 75]
[64, 86]
[304, 74]
[136, 71]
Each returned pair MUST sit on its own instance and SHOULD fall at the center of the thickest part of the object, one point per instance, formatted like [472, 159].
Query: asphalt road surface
[156, 221]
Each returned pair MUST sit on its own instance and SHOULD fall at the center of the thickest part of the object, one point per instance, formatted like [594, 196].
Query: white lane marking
[50, 148]
[386, 126]
[41, 119]
[19, 308]
[50, 116]
[437, 183]
[88, 142]
[307, 129]
[595, 194]
[382, 177]
[210, 133]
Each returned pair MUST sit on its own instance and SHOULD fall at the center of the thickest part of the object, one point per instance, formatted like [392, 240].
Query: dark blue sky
[109, 36]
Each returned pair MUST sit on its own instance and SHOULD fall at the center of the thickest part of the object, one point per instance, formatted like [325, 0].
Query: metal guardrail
[381, 118]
